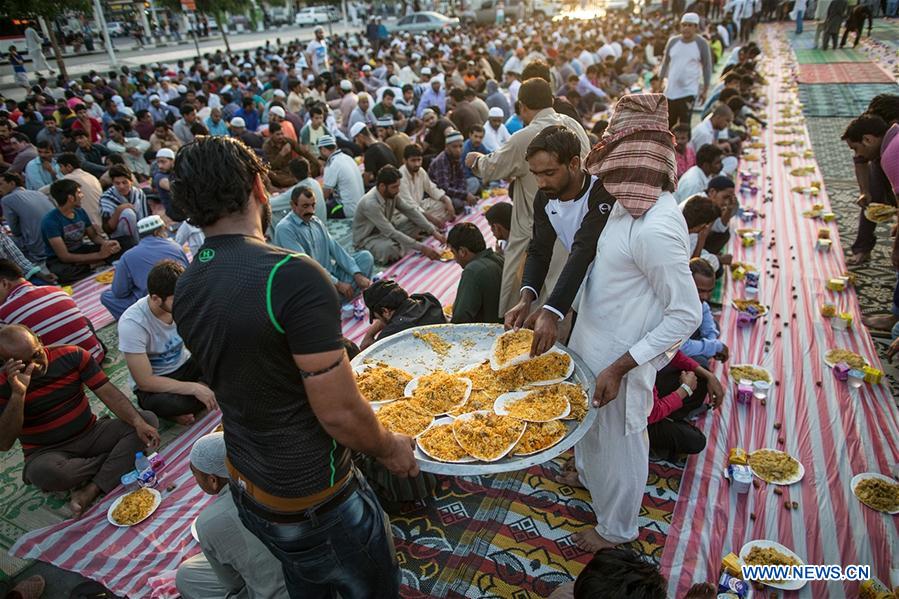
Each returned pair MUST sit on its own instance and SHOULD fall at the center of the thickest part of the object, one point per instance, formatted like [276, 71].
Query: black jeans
[170, 405]
[880, 191]
[679, 111]
[858, 36]
[69, 272]
[674, 435]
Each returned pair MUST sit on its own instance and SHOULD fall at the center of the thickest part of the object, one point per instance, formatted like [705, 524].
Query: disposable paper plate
[786, 585]
[496, 364]
[527, 453]
[369, 366]
[469, 416]
[831, 363]
[568, 372]
[768, 372]
[157, 500]
[193, 530]
[790, 481]
[763, 308]
[500, 406]
[377, 408]
[422, 454]
[866, 475]
[413, 385]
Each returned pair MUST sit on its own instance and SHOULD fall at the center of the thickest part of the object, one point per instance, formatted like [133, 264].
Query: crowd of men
[205, 182]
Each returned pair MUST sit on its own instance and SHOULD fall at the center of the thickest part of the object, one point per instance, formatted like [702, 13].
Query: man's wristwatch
[686, 389]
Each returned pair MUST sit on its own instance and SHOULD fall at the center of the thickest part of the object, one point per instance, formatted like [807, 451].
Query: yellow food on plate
[512, 344]
[134, 507]
[539, 405]
[539, 436]
[440, 443]
[448, 311]
[447, 254]
[435, 341]
[438, 392]
[401, 417]
[878, 494]
[548, 367]
[382, 382]
[773, 466]
[105, 278]
[837, 355]
[487, 436]
[749, 372]
[743, 304]
[880, 213]
[768, 556]
[746, 266]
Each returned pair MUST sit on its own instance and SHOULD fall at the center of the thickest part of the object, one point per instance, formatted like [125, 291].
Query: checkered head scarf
[635, 158]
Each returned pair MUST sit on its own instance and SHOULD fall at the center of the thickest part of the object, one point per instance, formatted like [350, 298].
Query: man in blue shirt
[249, 115]
[43, 170]
[64, 230]
[704, 344]
[474, 143]
[130, 281]
[302, 231]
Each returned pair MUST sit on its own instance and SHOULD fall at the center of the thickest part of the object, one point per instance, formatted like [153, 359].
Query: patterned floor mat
[510, 535]
[843, 72]
[809, 56]
[839, 100]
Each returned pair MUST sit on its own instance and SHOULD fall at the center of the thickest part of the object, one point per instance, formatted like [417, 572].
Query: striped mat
[811, 56]
[86, 294]
[843, 72]
[834, 431]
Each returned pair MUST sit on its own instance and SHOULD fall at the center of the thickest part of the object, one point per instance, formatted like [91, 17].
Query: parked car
[116, 28]
[419, 22]
[484, 12]
[313, 15]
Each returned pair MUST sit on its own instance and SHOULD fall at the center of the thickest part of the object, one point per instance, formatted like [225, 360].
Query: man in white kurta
[638, 304]
[34, 44]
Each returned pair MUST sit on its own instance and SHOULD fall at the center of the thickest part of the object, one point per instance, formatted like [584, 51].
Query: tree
[48, 10]
[214, 8]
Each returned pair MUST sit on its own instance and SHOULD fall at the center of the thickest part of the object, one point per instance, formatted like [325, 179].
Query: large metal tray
[472, 344]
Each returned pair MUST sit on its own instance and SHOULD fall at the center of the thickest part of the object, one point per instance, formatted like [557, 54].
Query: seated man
[64, 230]
[66, 447]
[234, 562]
[166, 379]
[499, 217]
[47, 310]
[684, 153]
[699, 213]
[302, 231]
[121, 206]
[281, 203]
[342, 182]
[129, 283]
[696, 179]
[279, 151]
[705, 344]
[162, 184]
[314, 129]
[681, 389]
[474, 143]
[477, 298]
[614, 573]
[722, 192]
[446, 172]
[373, 227]
[391, 310]
[417, 189]
[23, 211]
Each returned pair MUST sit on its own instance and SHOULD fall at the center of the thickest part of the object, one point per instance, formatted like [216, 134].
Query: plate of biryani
[512, 347]
[402, 417]
[743, 304]
[543, 404]
[745, 265]
[878, 492]
[776, 467]
[438, 392]
[380, 383]
[762, 552]
[837, 355]
[447, 255]
[439, 443]
[466, 357]
[880, 213]
[750, 372]
[133, 508]
[487, 436]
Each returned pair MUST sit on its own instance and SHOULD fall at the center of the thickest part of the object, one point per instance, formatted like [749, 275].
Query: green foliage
[49, 9]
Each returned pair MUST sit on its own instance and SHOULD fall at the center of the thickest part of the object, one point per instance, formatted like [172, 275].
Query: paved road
[127, 54]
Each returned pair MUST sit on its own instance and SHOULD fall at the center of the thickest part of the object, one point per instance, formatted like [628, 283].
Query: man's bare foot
[858, 259]
[185, 419]
[589, 540]
[569, 478]
[880, 322]
[81, 499]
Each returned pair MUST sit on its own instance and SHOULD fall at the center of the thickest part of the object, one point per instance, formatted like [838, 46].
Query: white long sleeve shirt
[638, 299]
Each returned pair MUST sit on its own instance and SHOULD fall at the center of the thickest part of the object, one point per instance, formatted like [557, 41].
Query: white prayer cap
[279, 93]
[356, 129]
[89, 98]
[238, 122]
[154, 98]
[496, 112]
[165, 153]
[208, 455]
[426, 71]
[690, 17]
[277, 110]
[182, 89]
[346, 86]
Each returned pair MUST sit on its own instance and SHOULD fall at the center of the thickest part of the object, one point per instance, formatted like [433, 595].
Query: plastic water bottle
[146, 474]
[359, 309]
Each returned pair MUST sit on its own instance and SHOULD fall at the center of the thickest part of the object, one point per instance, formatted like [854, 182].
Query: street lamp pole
[101, 19]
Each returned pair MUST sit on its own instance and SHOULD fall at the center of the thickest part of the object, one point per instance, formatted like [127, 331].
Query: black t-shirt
[377, 155]
[244, 308]
[418, 310]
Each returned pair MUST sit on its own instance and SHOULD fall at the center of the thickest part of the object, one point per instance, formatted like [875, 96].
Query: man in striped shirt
[121, 206]
[43, 406]
[47, 310]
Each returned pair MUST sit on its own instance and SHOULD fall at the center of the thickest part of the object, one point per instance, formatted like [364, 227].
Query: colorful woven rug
[809, 56]
[831, 100]
[842, 72]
